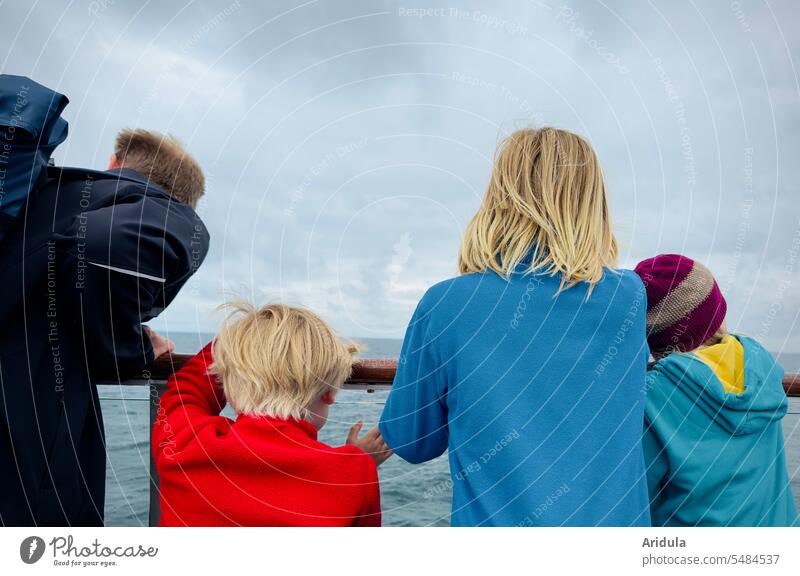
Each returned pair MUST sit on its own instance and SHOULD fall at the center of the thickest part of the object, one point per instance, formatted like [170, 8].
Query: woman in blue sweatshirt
[529, 367]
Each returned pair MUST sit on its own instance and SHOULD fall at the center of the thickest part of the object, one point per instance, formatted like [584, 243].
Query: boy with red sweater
[280, 368]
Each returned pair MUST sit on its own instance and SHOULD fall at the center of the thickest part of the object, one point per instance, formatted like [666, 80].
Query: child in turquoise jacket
[713, 442]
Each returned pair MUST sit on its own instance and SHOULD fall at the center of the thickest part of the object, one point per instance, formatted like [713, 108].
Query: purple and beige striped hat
[684, 304]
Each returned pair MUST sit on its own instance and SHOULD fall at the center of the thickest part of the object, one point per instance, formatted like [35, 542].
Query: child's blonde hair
[276, 360]
[546, 194]
[713, 340]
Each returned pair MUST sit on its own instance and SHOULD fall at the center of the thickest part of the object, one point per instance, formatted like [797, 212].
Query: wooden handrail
[791, 383]
[370, 373]
[367, 373]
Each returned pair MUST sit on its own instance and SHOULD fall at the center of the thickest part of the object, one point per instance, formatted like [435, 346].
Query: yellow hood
[726, 360]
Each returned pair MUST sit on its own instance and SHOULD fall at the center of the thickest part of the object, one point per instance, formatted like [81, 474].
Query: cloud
[347, 144]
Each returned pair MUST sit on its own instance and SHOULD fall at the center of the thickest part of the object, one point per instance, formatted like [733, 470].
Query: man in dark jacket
[95, 256]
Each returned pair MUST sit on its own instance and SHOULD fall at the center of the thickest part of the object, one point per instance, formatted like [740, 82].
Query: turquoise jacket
[716, 458]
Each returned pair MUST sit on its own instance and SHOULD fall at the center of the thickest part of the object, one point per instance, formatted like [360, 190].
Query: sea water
[411, 495]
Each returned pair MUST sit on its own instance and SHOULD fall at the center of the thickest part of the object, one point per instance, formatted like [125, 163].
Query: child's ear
[329, 396]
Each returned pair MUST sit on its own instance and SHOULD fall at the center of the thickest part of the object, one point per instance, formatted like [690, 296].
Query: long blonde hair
[546, 195]
[275, 360]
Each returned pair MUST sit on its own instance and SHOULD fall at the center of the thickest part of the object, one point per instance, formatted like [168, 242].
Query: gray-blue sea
[412, 495]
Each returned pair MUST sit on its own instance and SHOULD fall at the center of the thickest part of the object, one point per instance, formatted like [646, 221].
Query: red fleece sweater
[256, 471]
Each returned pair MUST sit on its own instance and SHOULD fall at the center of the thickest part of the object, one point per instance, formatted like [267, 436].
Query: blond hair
[276, 360]
[162, 160]
[713, 340]
[546, 197]
[716, 338]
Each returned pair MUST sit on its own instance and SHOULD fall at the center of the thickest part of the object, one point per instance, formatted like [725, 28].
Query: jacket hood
[762, 402]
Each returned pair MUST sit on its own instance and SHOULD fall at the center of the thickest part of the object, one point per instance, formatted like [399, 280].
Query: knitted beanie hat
[684, 304]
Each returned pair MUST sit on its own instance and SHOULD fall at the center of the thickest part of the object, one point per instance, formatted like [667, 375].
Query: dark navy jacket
[96, 254]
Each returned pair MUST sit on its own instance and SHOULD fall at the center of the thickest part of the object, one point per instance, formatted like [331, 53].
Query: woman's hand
[372, 443]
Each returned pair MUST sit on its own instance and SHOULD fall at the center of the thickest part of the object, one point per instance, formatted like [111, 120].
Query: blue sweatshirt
[715, 457]
[536, 395]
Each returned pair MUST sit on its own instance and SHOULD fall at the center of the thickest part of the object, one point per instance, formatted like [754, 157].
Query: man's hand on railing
[372, 443]
[160, 344]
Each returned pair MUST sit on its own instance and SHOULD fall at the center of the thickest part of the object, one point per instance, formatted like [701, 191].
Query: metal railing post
[155, 389]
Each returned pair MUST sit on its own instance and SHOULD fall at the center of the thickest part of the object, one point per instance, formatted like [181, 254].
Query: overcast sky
[347, 143]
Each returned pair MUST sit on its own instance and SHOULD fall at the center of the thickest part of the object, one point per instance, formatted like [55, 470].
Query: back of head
[547, 198]
[275, 360]
[685, 307]
[163, 161]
